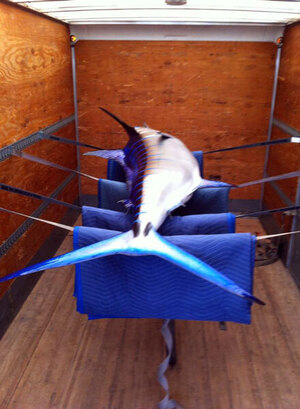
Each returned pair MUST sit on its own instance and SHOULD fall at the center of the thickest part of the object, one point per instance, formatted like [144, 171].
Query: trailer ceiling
[158, 12]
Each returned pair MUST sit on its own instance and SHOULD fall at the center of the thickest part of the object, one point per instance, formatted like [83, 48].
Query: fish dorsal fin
[132, 133]
[164, 137]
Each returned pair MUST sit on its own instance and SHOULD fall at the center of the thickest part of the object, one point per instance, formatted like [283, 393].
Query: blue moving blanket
[219, 223]
[148, 287]
[204, 200]
[121, 286]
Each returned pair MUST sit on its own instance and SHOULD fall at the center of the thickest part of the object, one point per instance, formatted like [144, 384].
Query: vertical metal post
[76, 114]
[274, 92]
[294, 225]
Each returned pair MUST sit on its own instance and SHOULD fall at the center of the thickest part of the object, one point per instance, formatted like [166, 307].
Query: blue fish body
[161, 174]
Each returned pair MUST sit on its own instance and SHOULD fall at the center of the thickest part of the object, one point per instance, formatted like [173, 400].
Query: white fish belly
[171, 175]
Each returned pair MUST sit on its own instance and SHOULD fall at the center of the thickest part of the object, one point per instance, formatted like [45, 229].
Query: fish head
[158, 136]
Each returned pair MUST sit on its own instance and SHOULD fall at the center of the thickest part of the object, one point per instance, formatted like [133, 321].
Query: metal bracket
[24, 143]
[288, 129]
[223, 326]
[281, 194]
[4, 247]
[291, 212]
[279, 42]
[271, 119]
[7, 151]
[73, 40]
[295, 139]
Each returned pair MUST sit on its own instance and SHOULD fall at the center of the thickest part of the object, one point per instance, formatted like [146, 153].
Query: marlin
[162, 174]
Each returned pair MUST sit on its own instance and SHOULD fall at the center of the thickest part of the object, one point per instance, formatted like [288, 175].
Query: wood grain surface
[209, 94]
[35, 73]
[52, 357]
[286, 158]
[36, 91]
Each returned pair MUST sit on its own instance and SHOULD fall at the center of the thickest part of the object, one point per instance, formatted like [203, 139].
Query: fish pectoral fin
[115, 154]
[213, 183]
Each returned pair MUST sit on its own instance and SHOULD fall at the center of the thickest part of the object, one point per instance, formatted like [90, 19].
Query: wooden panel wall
[209, 94]
[36, 91]
[286, 158]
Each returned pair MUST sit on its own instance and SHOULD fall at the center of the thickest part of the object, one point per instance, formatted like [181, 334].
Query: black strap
[70, 141]
[23, 192]
[262, 212]
[251, 145]
[232, 148]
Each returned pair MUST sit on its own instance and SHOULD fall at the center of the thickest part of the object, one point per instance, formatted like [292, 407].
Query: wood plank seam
[37, 341]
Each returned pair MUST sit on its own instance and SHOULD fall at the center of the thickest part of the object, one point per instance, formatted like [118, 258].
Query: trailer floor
[52, 357]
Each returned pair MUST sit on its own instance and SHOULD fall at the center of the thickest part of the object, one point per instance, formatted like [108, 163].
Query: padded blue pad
[121, 286]
[195, 224]
[203, 201]
[110, 193]
[115, 170]
[206, 201]
[199, 157]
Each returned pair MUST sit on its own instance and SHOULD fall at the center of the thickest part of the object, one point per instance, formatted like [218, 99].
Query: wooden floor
[52, 357]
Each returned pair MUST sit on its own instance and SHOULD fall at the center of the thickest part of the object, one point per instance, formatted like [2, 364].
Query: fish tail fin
[154, 244]
[253, 299]
[103, 248]
[140, 245]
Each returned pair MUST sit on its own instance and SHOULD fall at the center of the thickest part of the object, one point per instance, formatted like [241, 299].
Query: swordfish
[161, 175]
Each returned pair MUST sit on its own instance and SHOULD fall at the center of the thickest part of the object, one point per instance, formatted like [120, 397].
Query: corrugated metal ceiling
[158, 12]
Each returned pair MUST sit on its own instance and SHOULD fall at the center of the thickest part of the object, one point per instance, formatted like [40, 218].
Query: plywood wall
[210, 94]
[36, 91]
[286, 158]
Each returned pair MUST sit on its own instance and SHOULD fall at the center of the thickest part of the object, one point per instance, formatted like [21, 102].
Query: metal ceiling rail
[157, 11]
[97, 22]
[254, 5]
[210, 17]
[178, 32]
[64, 9]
